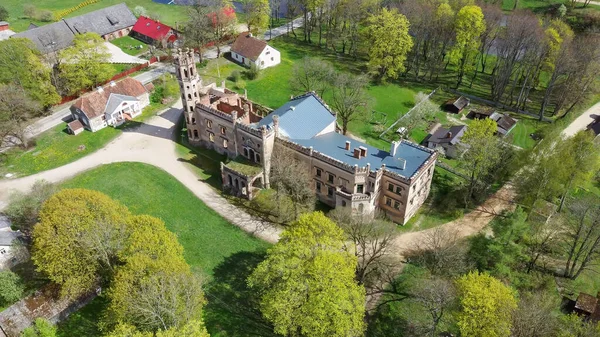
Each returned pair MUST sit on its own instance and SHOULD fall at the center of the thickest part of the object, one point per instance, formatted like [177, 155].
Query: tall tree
[312, 74]
[11, 287]
[257, 15]
[486, 304]
[388, 42]
[349, 98]
[469, 25]
[41, 328]
[437, 296]
[197, 31]
[3, 14]
[581, 234]
[23, 208]
[84, 64]
[192, 329]
[78, 239]
[16, 110]
[306, 284]
[22, 66]
[535, 316]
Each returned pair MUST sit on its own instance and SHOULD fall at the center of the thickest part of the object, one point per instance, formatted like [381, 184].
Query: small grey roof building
[446, 139]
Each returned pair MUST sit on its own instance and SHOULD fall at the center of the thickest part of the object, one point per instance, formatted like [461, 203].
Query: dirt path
[151, 143]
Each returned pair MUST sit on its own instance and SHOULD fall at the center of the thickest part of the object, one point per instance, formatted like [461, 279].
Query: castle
[346, 172]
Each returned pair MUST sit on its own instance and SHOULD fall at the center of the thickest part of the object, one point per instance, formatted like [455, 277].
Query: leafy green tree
[11, 287]
[469, 26]
[388, 43]
[84, 64]
[194, 328]
[573, 326]
[79, 238]
[23, 208]
[3, 14]
[258, 12]
[155, 289]
[306, 284]
[21, 65]
[486, 306]
[41, 328]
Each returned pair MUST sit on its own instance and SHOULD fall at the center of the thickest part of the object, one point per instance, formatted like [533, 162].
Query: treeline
[522, 61]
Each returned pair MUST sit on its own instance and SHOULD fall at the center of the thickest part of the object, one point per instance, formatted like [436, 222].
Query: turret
[189, 81]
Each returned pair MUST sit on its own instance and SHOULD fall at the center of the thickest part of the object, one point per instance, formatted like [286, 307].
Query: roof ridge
[318, 98]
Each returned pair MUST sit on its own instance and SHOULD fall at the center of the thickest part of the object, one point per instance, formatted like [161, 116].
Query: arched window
[230, 180]
[237, 185]
[185, 73]
[195, 133]
[245, 152]
[189, 96]
[258, 158]
[195, 94]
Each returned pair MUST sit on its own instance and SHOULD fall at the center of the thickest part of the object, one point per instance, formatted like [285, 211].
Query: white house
[11, 252]
[249, 50]
[110, 105]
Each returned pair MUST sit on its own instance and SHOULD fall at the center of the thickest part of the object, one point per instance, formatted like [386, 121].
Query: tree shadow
[232, 308]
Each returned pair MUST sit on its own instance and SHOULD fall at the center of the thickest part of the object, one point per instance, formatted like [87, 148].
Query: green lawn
[212, 246]
[55, 148]
[130, 45]
[169, 14]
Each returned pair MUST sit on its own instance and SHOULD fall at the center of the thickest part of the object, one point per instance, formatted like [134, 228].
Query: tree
[535, 316]
[22, 66]
[140, 11]
[194, 328]
[574, 326]
[370, 240]
[3, 14]
[312, 74]
[291, 178]
[11, 287]
[423, 111]
[258, 12]
[84, 64]
[222, 20]
[469, 25]
[78, 239]
[306, 284]
[349, 98]
[440, 252]
[388, 43]
[483, 153]
[41, 328]
[437, 296]
[486, 304]
[16, 110]
[24, 208]
[197, 31]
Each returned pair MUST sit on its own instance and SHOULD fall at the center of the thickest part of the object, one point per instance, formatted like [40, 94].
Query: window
[330, 178]
[223, 130]
[267, 53]
[208, 123]
[195, 133]
[225, 143]
[359, 188]
[271, 59]
[390, 187]
[318, 186]
[258, 158]
[262, 63]
[412, 201]
[211, 137]
[319, 172]
[191, 108]
[189, 96]
[343, 203]
[330, 191]
[396, 204]
[398, 190]
[193, 121]
[388, 201]
[245, 152]
[361, 208]
[414, 187]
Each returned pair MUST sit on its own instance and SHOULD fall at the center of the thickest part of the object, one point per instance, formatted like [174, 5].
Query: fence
[406, 114]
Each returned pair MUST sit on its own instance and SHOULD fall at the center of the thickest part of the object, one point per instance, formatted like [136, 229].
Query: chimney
[449, 135]
[347, 145]
[394, 148]
[363, 151]
[357, 153]
[112, 83]
[402, 163]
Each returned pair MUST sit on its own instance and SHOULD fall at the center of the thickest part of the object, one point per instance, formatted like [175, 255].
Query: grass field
[130, 45]
[212, 246]
[169, 14]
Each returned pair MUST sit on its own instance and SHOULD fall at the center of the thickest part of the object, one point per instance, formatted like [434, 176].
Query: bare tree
[197, 32]
[23, 208]
[16, 109]
[349, 98]
[370, 239]
[582, 235]
[311, 74]
[535, 316]
[440, 252]
[437, 296]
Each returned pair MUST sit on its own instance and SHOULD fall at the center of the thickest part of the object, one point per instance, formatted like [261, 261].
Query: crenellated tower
[189, 85]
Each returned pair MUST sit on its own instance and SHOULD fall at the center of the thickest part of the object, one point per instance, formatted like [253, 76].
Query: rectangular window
[359, 188]
[398, 190]
[319, 172]
[225, 143]
[330, 178]
[257, 158]
[388, 201]
[390, 187]
[330, 191]
[318, 186]
[396, 204]
[193, 121]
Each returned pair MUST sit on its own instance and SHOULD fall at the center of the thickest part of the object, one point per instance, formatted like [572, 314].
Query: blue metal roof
[333, 144]
[301, 118]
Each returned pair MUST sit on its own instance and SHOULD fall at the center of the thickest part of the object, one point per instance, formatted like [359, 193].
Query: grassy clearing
[130, 45]
[212, 246]
[169, 14]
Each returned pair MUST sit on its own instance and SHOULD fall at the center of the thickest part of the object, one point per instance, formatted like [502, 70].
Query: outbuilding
[249, 51]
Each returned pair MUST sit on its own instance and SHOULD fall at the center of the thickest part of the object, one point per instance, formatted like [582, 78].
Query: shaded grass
[130, 45]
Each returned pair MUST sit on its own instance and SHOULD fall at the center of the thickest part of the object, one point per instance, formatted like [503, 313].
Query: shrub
[235, 76]
[3, 14]
[46, 16]
[11, 287]
[140, 11]
[240, 85]
[30, 11]
[253, 72]
[157, 95]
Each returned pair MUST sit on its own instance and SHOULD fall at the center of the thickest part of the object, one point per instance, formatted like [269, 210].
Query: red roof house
[228, 14]
[149, 31]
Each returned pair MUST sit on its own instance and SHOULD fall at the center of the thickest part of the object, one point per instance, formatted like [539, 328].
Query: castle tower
[189, 85]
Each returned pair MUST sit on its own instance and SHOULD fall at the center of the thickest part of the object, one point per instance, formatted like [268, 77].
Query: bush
[3, 14]
[235, 76]
[140, 11]
[253, 72]
[157, 95]
[30, 11]
[46, 16]
[240, 85]
[11, 287]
